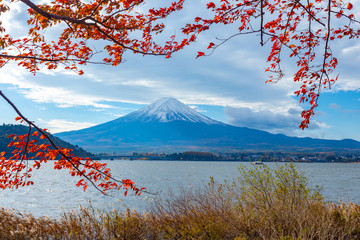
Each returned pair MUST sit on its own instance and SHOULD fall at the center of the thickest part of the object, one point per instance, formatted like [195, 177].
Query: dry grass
[261, 204]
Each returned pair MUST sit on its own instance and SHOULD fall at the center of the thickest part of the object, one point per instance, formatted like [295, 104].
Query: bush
[262, 203]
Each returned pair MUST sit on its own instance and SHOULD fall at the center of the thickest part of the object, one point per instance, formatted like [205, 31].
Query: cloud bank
[285, 123]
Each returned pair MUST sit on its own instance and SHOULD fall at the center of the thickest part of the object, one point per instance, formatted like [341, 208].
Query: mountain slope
[7, 129]
[168, 125]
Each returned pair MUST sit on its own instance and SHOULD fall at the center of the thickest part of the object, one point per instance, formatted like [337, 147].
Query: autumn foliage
[16, 171]
[298, 29]
[111, 22]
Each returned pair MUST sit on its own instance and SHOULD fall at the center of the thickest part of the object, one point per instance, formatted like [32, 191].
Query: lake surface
[54, 192]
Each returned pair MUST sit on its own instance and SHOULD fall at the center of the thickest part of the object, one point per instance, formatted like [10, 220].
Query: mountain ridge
[7, 129]
[167, 125]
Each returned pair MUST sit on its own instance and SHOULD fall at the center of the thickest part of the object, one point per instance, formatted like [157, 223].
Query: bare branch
[347, 16]
[262, 23]
[323, 71]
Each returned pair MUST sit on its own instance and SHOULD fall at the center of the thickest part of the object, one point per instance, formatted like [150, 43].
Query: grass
[262, 203]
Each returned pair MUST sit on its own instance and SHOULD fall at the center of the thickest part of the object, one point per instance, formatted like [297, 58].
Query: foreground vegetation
[262, 203]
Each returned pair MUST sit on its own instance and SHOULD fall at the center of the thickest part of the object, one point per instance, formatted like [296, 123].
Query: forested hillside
[8, 129]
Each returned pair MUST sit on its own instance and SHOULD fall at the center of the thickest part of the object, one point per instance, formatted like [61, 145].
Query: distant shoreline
[343, 157]
[201, 160]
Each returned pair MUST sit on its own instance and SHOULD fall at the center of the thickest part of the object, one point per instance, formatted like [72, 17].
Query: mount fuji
[168, 110]
[168, 125]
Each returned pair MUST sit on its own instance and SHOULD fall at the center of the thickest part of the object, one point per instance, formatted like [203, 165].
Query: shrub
[262, 203]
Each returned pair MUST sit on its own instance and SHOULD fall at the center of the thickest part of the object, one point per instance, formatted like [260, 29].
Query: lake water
[54, 191]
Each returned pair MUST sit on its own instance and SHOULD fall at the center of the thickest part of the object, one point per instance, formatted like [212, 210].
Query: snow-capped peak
[168, 110]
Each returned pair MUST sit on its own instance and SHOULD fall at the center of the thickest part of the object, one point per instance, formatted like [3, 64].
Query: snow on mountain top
[168, 110]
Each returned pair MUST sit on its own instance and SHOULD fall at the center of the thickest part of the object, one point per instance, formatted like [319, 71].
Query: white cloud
[334, 106]
[346, 84]
[118, 115]
[60, 125]
[352, 50]
[196, 108]
[34, 90]
[62, 97]
[10, 20]
[286, 123]
[322, 124]
[140, 82]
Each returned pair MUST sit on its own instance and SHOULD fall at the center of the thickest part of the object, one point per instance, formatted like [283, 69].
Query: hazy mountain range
[168, 125]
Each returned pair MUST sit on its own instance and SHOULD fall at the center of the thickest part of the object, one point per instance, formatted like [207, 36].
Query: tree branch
[262, 22]
[310, 14]
[54, 16]
[68, 159]
[49, 59]
[126, 47]
[323, 71]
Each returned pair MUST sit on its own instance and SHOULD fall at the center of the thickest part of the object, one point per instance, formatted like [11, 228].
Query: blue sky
[228, 86]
